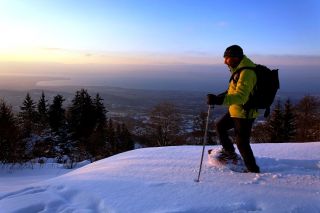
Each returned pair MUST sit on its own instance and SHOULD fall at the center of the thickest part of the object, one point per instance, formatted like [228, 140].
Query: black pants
[242, 128]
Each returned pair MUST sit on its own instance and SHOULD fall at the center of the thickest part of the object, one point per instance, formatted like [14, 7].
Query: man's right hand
[210, 99]
[215, 100]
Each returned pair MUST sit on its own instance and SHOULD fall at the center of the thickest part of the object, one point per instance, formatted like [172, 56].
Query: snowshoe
[230, 160]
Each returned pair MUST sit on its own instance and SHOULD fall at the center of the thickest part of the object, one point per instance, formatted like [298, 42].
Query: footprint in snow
[26, 191]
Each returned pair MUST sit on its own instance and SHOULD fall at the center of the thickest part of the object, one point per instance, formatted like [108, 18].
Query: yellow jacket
[238, 92]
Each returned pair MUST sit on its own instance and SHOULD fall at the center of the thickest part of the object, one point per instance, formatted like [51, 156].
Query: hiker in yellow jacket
[239, 118]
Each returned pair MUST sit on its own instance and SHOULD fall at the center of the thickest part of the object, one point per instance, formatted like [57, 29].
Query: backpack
[264, 92]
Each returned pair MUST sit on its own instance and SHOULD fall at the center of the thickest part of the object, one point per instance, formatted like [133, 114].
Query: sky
[157, 31]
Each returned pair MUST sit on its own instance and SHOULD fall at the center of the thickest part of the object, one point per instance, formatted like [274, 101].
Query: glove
[215, 100]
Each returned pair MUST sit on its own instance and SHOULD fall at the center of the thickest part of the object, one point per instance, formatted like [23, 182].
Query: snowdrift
[162, 180]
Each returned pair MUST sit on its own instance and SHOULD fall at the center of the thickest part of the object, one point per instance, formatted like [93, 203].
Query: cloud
[73, 56]
[53, 49]
[311, 60]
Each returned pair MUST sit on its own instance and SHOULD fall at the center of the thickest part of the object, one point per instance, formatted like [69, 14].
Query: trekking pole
[204, 142]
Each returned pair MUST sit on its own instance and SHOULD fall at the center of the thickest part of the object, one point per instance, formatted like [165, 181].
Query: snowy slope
[162, 180]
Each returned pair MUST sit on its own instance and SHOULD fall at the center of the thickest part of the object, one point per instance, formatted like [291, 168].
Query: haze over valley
[131, 92]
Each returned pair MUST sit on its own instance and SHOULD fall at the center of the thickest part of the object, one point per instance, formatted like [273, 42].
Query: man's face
[231, 61]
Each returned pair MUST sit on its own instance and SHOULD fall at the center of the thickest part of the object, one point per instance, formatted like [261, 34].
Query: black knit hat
[233, 51]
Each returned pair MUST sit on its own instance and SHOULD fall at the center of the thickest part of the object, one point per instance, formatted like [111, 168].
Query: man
[240, 87]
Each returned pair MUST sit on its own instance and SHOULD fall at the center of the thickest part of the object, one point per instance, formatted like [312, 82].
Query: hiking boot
[227, 156]
[254, 169]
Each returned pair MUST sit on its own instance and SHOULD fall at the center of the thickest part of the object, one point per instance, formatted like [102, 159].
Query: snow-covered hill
[162, 180]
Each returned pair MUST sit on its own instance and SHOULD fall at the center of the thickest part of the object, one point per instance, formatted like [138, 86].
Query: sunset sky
[156, 31]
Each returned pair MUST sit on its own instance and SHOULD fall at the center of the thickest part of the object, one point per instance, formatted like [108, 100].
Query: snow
[162, 180]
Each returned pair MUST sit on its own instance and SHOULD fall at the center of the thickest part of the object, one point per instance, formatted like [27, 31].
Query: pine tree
[289, 122]
[98, 139]
[100, 110]
[126, 139]
[308, 119]
[82, 120]
[43, 111]
[259, 133]
[118, 131]
[12, 148]
[275, 124]
[82, 114]
[123, 138]
[111, 137]
[28, 116]
[56, 113]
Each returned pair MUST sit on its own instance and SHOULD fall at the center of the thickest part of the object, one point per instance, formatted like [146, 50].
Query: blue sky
[119, 30]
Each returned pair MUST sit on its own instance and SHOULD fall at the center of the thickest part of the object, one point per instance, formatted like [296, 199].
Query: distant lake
[196, 78]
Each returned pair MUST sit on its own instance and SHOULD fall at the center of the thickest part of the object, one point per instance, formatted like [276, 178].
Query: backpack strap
[236, 74]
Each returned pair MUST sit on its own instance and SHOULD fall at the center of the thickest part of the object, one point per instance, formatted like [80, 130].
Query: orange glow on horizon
[59, 55]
